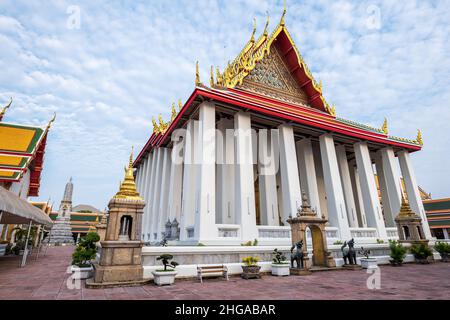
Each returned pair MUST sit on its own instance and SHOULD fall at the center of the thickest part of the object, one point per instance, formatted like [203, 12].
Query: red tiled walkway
[47, 277]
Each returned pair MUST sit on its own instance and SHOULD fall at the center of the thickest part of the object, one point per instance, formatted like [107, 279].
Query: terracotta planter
[164, 278]
[251, 272]
[82, 272]
[280, 269]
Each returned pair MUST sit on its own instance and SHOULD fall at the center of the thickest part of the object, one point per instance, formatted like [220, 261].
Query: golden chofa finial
[384, 127]
[252, 38]
[419, 137]
[162, 125]
[197, 74]
[180, 105]
[218, 77]
[51, 121]
[2, 113]
[211, 77]
[284, 13]
[127, 188]
[155, 125]
[267, 25]
[174, 113]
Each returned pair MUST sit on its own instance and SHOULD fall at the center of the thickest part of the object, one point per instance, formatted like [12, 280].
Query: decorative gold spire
[252, 38]
[174, 113]
[2, 113]
[332, 110]
[180, 105]
[405, 209]
[211, 77]
[419, 137]
[162, 127]
[284, 13]
[267, 25]
[155, 125]
[197, 74]
[384, 127]
[128, 186]
[218, 77]
[51, 121]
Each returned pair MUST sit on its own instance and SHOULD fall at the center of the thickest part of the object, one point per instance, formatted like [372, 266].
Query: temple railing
[228, 230]
[274, 232]
[364, 233]
[392, 233]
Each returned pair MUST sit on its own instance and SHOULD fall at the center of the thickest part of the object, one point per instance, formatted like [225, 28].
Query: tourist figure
[298, 255]
[349, 254]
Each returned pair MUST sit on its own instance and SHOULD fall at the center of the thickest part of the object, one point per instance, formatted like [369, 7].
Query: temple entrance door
[318, 249]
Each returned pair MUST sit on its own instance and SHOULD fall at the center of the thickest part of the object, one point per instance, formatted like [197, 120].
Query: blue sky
[129, 60]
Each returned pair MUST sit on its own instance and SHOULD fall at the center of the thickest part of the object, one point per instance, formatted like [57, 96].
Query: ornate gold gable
[259, 67]
[271, 77]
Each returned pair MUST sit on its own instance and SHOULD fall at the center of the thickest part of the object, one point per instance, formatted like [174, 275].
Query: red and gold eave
[317, 114]
[272, 107]
[22, 149]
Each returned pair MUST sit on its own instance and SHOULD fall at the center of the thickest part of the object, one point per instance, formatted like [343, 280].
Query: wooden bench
[216, 270]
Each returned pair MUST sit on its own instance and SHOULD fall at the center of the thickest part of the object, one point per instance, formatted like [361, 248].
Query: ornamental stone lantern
[120, 259]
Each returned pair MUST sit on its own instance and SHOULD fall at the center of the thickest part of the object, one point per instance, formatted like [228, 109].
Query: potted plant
[250, 268]
[398, 253]
[85, 251]
[20, 236]
[444, 250]
[280, 267]
[421, 252]
[165, 276]
[367, 262]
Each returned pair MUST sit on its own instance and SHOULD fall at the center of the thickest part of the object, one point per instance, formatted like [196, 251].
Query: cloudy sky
[122, 62]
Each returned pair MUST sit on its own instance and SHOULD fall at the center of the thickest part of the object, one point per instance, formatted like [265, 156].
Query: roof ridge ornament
[211, 77]
[51, 121]
[283, 15]
[419, 137]
[197, 74]
[180, 105]
[174, 112]
[384, 127]
[2, 113]
[266, 25]
[252, 38]
[155, 125]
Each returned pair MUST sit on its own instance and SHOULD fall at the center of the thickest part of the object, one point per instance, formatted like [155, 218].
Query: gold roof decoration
[155, 126]
[419, 137]
[384, 127]
[162, 125]
[51, 121]
[180, 105]
[197, 75]
[3, 111]
[255, 51]
[211, 77]
[174, 112]
[128, 186]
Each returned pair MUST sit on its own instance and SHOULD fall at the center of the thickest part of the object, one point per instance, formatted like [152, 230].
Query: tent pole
[25, 252]
[41, 235]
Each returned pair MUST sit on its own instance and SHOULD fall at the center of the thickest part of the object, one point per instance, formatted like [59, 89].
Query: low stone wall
[231, 256]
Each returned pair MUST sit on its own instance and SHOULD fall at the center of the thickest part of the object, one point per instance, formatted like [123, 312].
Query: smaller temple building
[438, 216]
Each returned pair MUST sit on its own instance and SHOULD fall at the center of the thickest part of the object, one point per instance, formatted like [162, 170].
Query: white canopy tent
[15, 210]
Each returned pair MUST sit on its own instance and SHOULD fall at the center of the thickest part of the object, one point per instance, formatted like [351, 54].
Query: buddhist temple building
[438, 214]
[22, 149]
[231, 164]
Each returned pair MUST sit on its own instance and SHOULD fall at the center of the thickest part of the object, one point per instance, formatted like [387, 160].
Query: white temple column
[176, 180]
[412, 189]
[362, 221]
[144, 170]
[372, 206]
[150, 190]
[189, 173]
[290, 182]
[307, 170]
[335, 196]
[164, 192]
[347, 186]
[267, 167]
[225, 172]
[156, 196]
[205, 216]
[244, 191]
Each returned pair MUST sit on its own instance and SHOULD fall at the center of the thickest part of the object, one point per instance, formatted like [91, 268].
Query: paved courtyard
[46, 279]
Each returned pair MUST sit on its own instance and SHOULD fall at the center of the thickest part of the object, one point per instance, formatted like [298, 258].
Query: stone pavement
[46, 279]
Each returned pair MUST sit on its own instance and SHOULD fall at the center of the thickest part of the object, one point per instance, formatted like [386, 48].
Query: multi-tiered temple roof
[22, 148]
[269, 76]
